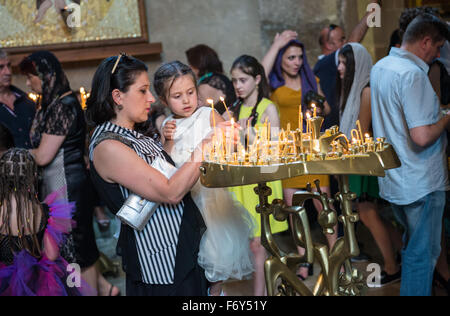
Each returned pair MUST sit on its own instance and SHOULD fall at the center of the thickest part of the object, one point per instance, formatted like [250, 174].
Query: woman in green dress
[253, 109]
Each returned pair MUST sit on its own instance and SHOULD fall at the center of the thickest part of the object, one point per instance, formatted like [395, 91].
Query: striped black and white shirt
[157, 244]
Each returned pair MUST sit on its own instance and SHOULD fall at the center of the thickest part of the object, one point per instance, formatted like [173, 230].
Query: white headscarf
[363, 66]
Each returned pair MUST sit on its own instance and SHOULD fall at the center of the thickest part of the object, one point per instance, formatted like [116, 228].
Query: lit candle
[308, 123]
[211, 102]
[355, 135]
[248, 135]
[280, 140]
[300, 124]
[231, 137]
[315, 109]
[294, 143]
[300, 116]
[203, 152]
[224, 142]
[33, 97]
[265, 134]
[358, 123]
[83, 98]
[235, 158]
[226, 107]
[241, 157]
[213, 147]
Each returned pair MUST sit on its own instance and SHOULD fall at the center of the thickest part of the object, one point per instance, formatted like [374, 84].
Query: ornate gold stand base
[282, 269]
[368, 160]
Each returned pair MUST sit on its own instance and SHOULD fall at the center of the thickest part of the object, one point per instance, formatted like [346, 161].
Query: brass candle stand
[329, 153]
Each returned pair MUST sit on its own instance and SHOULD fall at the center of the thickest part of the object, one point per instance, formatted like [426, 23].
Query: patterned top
[157, 243]
[56, 120]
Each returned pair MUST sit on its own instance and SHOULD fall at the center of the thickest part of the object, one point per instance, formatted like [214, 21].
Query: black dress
[10, 245]
[148, 276]
[64, 117]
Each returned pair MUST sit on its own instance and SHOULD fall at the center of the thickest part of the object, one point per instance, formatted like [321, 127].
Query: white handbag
[136, 211]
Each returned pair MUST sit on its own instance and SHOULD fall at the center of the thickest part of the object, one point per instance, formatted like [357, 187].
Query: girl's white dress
[225, 247]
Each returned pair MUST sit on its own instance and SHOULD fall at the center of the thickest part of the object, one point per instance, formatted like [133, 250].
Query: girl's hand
[169, 130]
[245, 122]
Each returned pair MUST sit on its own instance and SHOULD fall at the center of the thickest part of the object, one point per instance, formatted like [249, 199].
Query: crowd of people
[198, 238]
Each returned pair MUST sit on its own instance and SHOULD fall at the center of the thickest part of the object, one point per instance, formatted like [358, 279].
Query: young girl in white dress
[224, 250]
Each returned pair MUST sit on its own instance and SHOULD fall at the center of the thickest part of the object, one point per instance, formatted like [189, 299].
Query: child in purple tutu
[31, 233]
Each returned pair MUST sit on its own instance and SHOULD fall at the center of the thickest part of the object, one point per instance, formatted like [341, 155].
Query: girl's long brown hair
[252, 67]
[18, 183]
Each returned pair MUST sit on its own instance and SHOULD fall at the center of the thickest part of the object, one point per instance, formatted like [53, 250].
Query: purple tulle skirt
[29, 276]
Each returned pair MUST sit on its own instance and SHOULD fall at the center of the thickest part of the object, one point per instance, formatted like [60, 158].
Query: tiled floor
[106, 244]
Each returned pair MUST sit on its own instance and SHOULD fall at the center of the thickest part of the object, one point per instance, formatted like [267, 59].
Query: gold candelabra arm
[302, 234]
[316, 126]
[346, 247]
[275, 269]
[265, 210]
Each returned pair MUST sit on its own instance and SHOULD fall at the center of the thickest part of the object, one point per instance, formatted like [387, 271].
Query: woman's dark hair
[222, 83]
[408, 15]
[252, 67]
[47, 67]
[395, 40]
[27, 66]
[6, 139]
[150, 128]
[345, 86]
[100, 105]
[166, 75]
[205, 59]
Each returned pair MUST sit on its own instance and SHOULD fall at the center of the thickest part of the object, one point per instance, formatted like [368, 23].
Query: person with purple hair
[291, 80]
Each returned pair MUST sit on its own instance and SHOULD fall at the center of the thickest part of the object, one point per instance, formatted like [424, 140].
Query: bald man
[332, 39]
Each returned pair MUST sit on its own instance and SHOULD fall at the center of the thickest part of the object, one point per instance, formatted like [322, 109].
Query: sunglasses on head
[331, 28]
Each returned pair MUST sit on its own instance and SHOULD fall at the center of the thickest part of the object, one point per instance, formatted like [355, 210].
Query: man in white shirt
[406, 111]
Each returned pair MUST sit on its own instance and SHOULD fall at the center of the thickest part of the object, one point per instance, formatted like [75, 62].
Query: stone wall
[305, 17]
[235, 27]
[231, 27]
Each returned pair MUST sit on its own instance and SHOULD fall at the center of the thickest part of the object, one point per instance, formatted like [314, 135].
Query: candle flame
[33, 96]
[210, 101]
[308, 115]
[367, 135]
[222, 99]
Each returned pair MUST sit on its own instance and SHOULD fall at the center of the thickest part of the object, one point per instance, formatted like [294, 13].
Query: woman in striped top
[162, 259]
